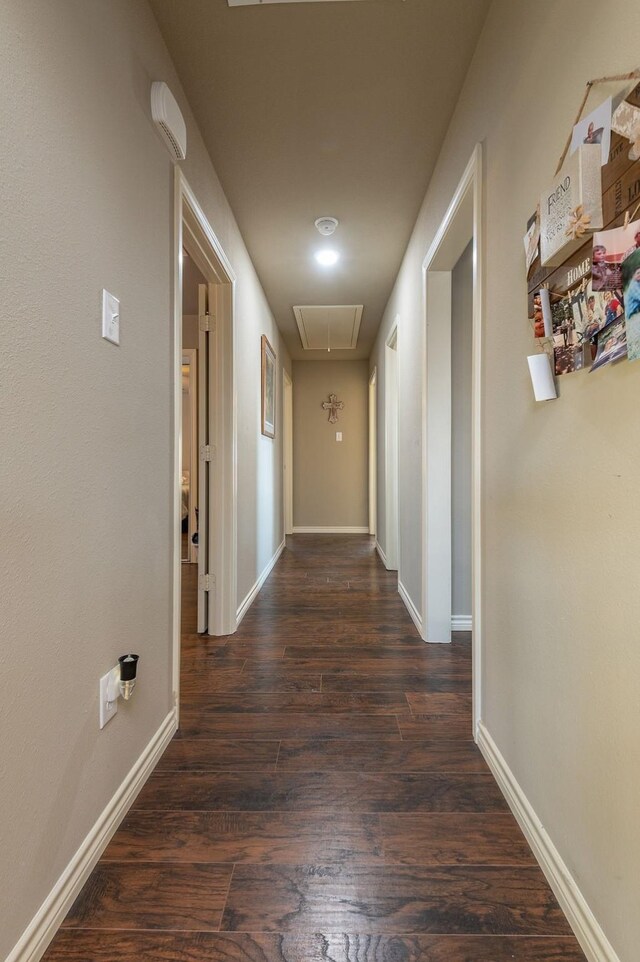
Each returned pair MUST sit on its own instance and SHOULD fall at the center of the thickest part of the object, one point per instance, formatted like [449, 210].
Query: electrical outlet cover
[108, 685]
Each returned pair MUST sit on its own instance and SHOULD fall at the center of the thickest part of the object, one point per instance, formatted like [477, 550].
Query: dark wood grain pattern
[202, 722]
[323, 801]
[440, 703]
[406, 681]
[451, 839]
[272, 678]
[215, 653]
[143, 895]
[248, 837]
[85, 946]
[379, 755]
[479, 900]
[215, 659]
[295, 837]
[368, 658]
[431, 727]
[220, 755]
[321, 792]
[305, 702]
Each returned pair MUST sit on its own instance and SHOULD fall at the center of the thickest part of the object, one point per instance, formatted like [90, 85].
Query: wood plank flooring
[323, 800]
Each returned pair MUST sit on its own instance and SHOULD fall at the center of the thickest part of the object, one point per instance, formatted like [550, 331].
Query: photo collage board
[589, 305]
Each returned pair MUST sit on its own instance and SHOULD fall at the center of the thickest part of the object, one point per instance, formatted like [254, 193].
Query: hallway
[323, 798]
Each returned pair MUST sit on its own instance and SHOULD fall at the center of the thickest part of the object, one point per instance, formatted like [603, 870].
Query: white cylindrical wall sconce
[544, 385]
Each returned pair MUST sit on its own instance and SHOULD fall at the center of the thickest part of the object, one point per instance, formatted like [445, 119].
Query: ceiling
[311, 109]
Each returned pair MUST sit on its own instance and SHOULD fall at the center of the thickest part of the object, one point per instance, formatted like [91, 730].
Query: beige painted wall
[461, 331]
[561, 514]
[330, 478]
[86, 195]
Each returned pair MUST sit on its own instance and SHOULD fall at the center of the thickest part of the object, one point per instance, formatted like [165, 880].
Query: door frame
[287, 451]
[191, 355]
[193, 231]
[462, 223]
[391, 451]
[373, 453]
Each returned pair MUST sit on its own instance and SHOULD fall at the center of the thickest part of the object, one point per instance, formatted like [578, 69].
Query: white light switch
[108, 695]
[110, 318]
[338, 435]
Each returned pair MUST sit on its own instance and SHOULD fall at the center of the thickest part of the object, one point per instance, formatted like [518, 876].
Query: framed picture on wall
[268, 389]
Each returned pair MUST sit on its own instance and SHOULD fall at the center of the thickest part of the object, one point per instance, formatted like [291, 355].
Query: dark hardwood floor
[323, 800]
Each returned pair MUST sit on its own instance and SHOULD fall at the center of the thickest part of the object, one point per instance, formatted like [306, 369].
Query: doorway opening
[455, 254]
[461, 341]
[190, 422]
[373, 454]
[391, 548]
[189, 473]
[287, 451]
[205, 490]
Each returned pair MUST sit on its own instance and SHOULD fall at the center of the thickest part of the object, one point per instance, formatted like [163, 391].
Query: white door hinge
[206, 323]
[207, 452]
[206, 582]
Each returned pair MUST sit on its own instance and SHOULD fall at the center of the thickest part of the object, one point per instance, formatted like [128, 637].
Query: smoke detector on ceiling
[326, 225]
[169, 120]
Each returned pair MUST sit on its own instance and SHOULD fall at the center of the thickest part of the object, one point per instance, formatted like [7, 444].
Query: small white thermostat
[110, 318]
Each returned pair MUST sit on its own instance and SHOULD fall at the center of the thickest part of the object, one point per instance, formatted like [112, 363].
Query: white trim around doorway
[391, 447]
[373, 452]
[192, 228]
[287, 450]
[462, 223]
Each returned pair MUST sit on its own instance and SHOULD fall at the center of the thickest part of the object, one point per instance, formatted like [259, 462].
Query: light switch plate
[110, 318]
[108, 687]
[338, 435]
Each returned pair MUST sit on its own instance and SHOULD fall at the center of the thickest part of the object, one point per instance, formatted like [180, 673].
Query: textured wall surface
[561, 515]
[330, 478]
[86, 195]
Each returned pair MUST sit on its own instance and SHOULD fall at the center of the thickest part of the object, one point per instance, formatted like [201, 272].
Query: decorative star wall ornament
[333, 405]
[578, 223]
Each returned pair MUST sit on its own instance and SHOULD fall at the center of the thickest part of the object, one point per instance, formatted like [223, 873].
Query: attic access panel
[334, 326]
[249, 3]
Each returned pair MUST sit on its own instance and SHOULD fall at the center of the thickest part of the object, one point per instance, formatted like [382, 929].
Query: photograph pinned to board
[611, 344]
[610, 249]
[568, 327]
[595, 128]
[532, 239]
[631, 282]
[542, 317]
[603, 307]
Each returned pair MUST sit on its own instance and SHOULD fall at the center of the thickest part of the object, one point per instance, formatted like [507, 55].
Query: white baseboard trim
[383, 557]
[586, 927]
[41, 930]
[251, 596]
[411, 608]
[461, 623]
[342, 530]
